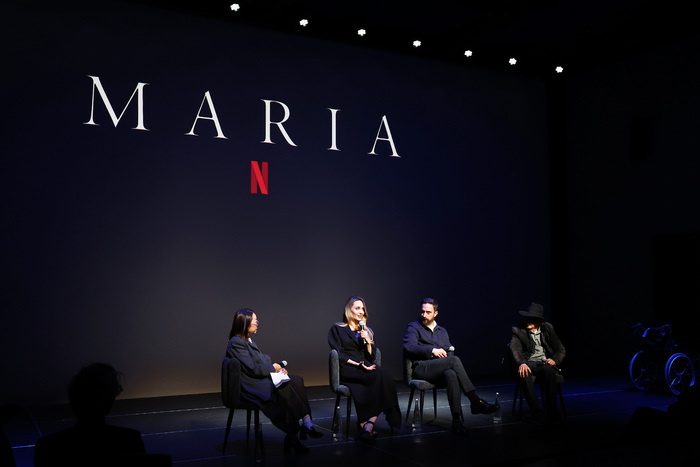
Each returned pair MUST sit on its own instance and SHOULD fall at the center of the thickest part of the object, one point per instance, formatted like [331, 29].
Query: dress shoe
[291, 442]
[304, 432]
[457, 427]
[365, 435]
[481, 406]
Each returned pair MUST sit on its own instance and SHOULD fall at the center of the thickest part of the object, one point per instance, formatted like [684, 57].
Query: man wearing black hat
[537, 351]
[428, 346]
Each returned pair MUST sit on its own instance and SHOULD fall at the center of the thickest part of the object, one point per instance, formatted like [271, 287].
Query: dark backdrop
[135, 247]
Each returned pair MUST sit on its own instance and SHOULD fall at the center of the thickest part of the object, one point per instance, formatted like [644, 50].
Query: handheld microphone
[362, 328]
[451, 349]
[283, 363]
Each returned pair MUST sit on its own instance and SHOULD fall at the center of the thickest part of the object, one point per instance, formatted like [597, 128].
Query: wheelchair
[660, 352]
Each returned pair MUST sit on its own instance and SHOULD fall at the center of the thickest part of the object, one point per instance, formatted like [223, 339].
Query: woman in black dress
[284, 405]
[372, 388]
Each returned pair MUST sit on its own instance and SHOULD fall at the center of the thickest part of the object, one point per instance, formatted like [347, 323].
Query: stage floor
[191, 430]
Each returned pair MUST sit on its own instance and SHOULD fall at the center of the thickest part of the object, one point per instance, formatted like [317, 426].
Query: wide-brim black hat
[535, 310]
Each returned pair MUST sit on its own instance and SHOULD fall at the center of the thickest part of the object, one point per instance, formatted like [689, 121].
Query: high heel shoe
[304, 431]
[291, 442]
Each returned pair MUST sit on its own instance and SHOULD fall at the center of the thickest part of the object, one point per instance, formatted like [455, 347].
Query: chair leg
[259, 445]
[347, 425]
[422, 399]
[520, 406]
[247, 429]
[410, 401]
[435, 403]
[336, 413]
[228, 428]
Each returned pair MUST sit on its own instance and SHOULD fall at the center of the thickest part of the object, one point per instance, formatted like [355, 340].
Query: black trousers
[547, 376]
[450, 372]
[292, 404]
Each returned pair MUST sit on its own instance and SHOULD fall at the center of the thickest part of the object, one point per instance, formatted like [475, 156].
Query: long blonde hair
[349, 319]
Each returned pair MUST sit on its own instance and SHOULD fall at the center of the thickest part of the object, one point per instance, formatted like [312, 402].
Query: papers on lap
[279, 378]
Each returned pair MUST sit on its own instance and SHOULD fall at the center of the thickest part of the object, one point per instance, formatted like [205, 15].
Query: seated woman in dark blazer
[372, 388]
[283, 405]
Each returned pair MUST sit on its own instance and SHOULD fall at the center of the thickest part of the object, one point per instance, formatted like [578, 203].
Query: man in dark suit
[428, 346]
[91, 441]
[537, 351]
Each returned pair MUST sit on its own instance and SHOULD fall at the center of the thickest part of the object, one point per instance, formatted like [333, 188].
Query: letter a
[212, 110]
[385, 124]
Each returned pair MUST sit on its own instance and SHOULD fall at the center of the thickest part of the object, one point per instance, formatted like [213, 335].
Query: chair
[231, 398]
[340, 389]
[418, 384]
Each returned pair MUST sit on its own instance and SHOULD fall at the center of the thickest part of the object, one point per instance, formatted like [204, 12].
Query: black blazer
[522, 347]
[256, 384]
[345, 341]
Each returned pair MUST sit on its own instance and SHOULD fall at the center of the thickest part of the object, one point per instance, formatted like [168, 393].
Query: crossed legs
[448, 370]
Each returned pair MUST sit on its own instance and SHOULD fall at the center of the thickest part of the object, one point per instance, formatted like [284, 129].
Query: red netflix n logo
[258, 178]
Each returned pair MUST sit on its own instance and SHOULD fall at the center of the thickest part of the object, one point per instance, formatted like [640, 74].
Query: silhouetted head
[92, 391]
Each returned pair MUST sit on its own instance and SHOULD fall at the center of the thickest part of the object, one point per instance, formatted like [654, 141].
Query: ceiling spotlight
[416, 43]
[559, 69]
[235, 7]
[361, 32]
[304, 22]
[512, 61]
[468, 53]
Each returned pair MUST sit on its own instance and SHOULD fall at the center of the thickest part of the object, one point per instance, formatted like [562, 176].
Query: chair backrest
[333, 370]
[509, 363]
[407, 368]
[334, 367]
[230, 382]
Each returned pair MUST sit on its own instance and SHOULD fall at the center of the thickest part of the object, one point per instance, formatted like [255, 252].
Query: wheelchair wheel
[679, 373]
[642, 371]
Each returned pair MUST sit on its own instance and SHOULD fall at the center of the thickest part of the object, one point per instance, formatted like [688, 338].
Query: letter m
[258, 178]
[97, 84]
